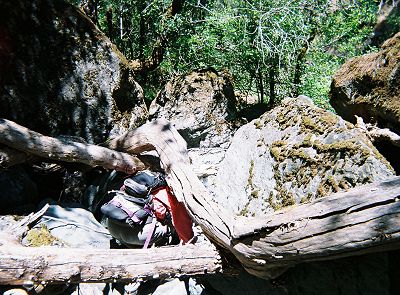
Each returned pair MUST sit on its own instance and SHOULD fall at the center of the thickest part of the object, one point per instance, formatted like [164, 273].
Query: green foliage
[274, 48]
[343, 34]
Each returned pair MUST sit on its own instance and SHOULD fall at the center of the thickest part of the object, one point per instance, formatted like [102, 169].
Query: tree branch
[31, 142]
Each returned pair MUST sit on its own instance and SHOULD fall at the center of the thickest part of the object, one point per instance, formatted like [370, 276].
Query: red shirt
[164, 200]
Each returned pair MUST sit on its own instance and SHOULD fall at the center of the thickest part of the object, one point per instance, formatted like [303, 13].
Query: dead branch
[48, 265]
[364, 219]
[34, 143]
[377, 134]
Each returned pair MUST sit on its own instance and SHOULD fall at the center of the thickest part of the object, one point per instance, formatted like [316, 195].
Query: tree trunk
[48, 265]
[364, 219]
[22, 139]
[361, 220]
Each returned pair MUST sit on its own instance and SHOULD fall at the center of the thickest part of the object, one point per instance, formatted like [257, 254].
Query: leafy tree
[273, 48]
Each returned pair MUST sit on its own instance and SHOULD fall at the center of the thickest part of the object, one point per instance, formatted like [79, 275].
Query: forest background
[272, 48]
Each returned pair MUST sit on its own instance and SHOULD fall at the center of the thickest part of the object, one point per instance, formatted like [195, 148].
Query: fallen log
[377, 134]
[50, 265]
[10, 157]
[25, 140]
[364, 219]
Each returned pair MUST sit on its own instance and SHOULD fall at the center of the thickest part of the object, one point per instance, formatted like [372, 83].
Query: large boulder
[369, 86]
[201, 106]
[295, 153]
[60, 75]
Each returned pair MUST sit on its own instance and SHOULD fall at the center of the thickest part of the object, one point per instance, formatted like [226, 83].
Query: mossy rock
[306, 153]
[41, 236]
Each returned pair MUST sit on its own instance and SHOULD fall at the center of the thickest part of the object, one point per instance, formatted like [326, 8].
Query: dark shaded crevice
[391, 154]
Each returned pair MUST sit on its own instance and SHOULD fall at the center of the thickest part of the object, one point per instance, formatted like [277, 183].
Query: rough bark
[25, 265]
[377, 134]
[10, 157]
[25, 140]
[364, 219]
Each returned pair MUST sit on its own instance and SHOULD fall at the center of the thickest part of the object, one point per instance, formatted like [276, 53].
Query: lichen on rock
[293, 154]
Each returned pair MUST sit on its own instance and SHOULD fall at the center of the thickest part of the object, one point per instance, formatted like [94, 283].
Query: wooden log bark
[31, 142]
[161, 136]
[51, 265]
[377, 134]
[364, 219]
[10, 157]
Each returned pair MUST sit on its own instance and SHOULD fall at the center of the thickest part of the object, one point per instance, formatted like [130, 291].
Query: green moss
[255, 193]
[343, 184]
[321, 192]
[273, 204]
[258, 124]
[307, 123]
[306, 199]
[333, 184]
[280, 143]
[307, 140]
[40, 237]
[251, 174]
[299, 154]
[276, 153]
[346, 146]
[329, 119]
[245, 210]
[287, 199]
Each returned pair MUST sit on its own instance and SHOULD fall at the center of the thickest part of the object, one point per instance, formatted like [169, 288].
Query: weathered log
[377, 134]
[10, 157]
[364, 219]
[161, 136]
[31, 142]
[50, 265]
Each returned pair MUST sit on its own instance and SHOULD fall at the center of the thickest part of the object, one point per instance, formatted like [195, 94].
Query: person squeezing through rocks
[145, 212]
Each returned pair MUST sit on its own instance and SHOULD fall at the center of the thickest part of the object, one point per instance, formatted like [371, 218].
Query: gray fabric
[136, 236]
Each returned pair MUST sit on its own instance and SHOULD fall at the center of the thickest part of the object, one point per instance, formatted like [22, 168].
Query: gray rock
[205, 163]
[366, 274]
[73, 227]
[61, 75]
[293, 154]
[201, 105]
[173, 287]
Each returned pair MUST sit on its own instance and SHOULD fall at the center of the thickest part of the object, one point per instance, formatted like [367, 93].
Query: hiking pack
[132, 204]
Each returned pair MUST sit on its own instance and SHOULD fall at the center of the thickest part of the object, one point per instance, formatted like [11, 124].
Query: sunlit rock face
[60, 75]
[369, 86]
[202, 107]
[293, 154]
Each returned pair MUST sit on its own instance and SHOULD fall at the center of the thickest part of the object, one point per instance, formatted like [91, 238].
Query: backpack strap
[149, 236]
